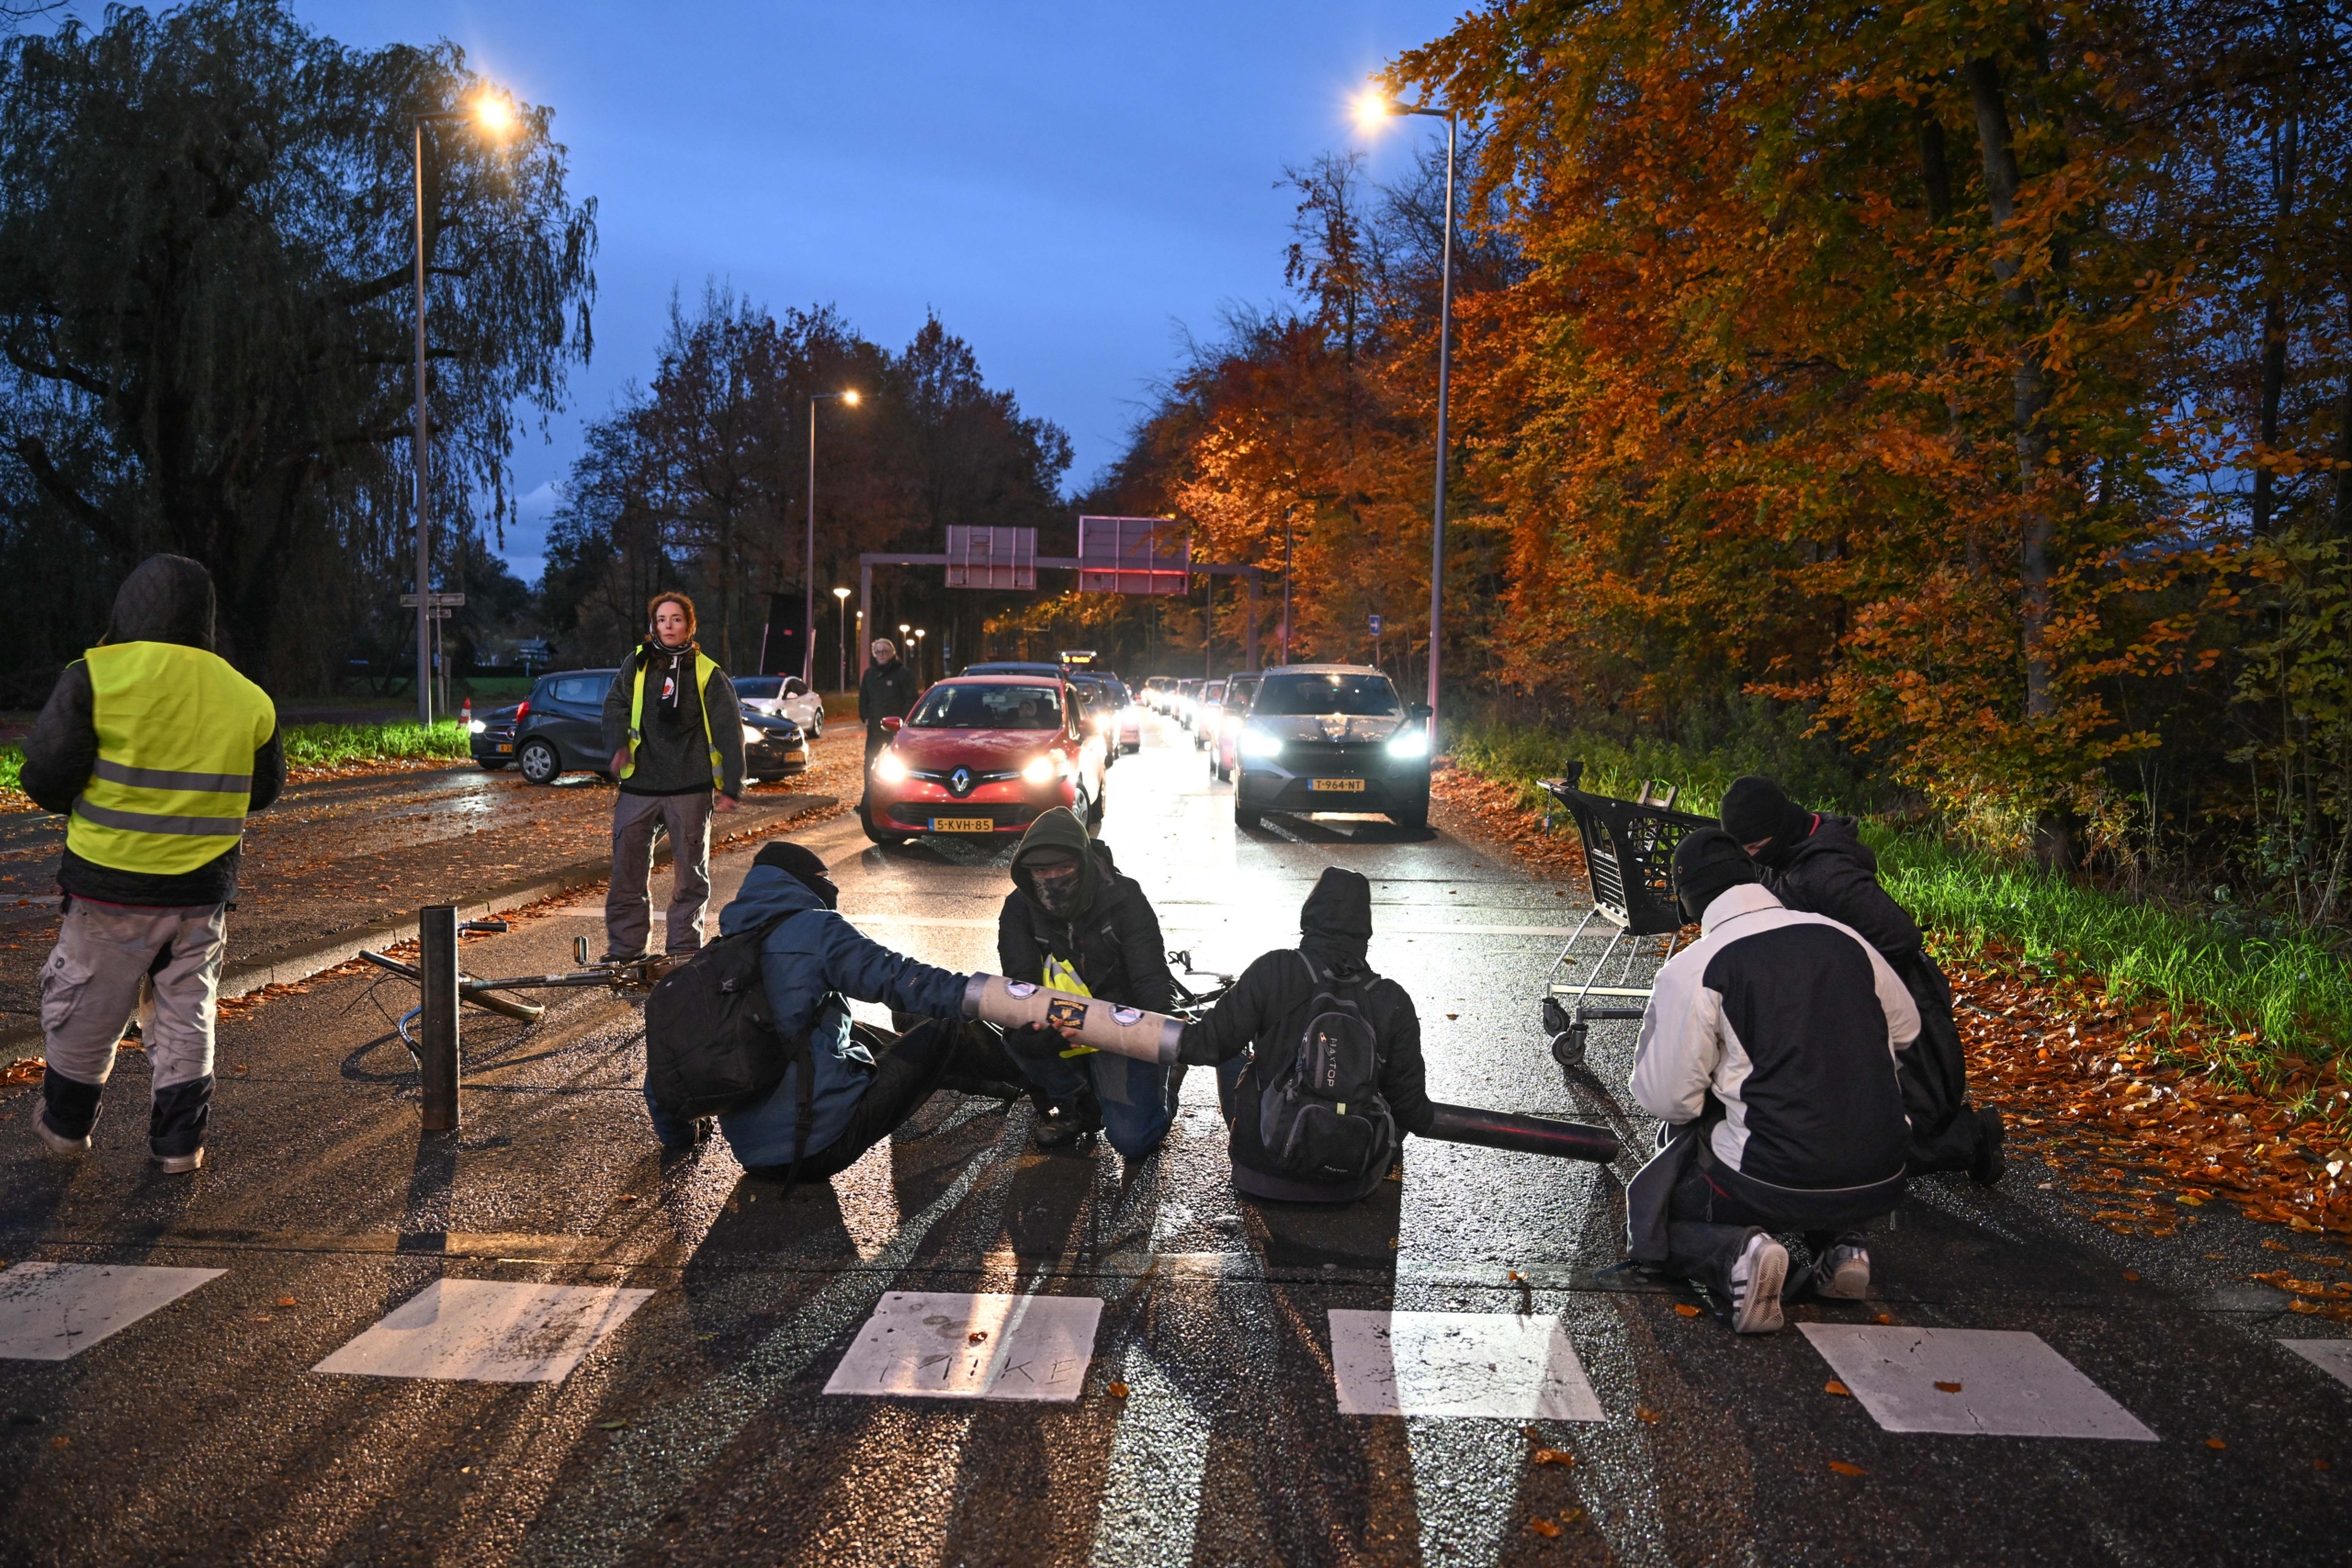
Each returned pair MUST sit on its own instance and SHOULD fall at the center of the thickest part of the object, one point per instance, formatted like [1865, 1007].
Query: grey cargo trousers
[628, 913]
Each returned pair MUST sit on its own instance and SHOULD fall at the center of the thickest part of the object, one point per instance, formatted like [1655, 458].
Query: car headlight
[1039, 771]
[1257, 743]
[1406, 744]
[753, 737]
[889, 769]
[476, 727]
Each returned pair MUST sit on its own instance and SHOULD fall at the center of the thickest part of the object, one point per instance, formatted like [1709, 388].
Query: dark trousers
[1707, 1225]
[876, 738]
[908, 1069]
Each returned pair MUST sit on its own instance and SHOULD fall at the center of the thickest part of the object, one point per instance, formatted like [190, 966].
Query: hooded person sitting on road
[1318, 1007]
[1818, 863]
[1074, 923]
[1768, 1050]
[813, 963]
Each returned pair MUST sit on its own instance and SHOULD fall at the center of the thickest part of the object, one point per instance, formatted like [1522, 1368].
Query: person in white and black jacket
[1768, 1050]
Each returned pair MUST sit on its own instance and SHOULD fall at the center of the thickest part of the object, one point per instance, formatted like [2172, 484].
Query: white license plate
[963, 824]
[1345, 786]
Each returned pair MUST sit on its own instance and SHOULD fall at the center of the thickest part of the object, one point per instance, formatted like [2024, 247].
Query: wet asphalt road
[699, 1430]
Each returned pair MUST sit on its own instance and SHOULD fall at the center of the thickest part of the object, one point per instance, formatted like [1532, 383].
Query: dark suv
[1331, 738]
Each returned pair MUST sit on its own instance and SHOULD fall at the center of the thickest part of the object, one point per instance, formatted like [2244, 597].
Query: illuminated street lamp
[920, 666]
[840, 677]
[1372, 108]
[495, 116]
[809, 560]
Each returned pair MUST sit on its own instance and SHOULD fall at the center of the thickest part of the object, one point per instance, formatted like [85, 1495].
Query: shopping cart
[1629, 856]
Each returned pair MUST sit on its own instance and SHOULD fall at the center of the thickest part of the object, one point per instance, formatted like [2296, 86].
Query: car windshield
[956, 706]
[1239, 693]
[1214, 691]
[760, 686]
[1354, 695]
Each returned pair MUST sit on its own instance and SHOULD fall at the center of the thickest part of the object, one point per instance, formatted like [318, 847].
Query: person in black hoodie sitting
[1256, 1029]
[1816, 863]
[1074, 923]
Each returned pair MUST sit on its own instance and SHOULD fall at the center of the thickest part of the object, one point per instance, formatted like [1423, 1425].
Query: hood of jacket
[1059, 829]
[1831, 836]
[164, 599]
[768, 891]
[1335, 923]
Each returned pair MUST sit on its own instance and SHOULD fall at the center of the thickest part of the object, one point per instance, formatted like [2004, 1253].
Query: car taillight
[522, 710]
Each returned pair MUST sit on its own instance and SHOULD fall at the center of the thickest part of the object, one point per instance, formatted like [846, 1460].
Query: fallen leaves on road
[975, 1337]
[611, 1426]
[285, 1301]
[1686, 1309]
[1842, 1468]
[1948, 1387]
[1543, 1527]
[1118, 1391]
[1885, 1317]
[1493, 811]
[1554, 1456]
[1840, 1388]
[1644, 1412]
[22, 1070]
[2215, 1443]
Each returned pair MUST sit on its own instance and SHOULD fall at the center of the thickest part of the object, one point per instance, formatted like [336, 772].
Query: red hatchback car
[984, 755]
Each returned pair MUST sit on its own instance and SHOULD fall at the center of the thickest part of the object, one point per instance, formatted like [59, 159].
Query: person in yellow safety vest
[155, 750]
[676, 733]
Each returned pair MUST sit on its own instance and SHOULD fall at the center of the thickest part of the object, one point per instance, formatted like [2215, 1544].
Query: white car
[783, 696]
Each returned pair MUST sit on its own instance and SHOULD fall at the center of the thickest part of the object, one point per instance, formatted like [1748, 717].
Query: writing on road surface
[488, 1331]
[949, 1345]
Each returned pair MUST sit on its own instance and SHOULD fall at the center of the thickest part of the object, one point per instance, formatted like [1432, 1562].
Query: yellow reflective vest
[177, 730]
[705, 668]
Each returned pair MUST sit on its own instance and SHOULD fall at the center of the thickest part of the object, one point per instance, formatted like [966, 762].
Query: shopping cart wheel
[1567, 1046]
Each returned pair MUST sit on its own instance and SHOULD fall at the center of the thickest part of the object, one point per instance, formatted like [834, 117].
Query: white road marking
[488, 1331]
[2333, 1357]
[949, 1345]
[52, 1311]
[1458, 1363]
[1972, 1381]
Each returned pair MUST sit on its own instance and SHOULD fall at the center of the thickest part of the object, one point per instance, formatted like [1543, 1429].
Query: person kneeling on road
[1073, 923]
[1318, 1059]
[866, 1080]
[1769, 1051]
[1818, 863]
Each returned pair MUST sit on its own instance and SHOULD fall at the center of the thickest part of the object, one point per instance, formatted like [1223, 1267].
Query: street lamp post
[809, 560]
[493, 115]
[840, 676]
[921, 668]
[1370, 110]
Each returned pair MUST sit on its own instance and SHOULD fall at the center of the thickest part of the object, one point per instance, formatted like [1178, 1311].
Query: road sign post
[436, 1034]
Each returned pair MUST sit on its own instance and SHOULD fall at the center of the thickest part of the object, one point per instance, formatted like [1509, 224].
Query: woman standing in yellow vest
[155, 749]
[676, 735]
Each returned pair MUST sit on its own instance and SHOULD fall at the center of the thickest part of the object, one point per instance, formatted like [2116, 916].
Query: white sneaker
[58, 1144]
[180, 1165]
[1755, 1281]
[1843, 1273]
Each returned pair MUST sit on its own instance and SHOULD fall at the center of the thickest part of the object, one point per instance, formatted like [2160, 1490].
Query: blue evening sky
[1069, 186]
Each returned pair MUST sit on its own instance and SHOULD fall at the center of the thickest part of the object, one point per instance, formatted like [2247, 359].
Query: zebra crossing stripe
[487, 1331]
[949, 1345]
[1458, 1363]
[2333, 1357]
[1970, 1381]
[52, 1310]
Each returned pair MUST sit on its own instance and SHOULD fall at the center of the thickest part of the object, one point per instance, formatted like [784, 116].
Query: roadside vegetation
[348, 745]
[2278, 990]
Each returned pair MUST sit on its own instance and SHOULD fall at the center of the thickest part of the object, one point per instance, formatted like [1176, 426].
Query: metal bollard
[437, 962]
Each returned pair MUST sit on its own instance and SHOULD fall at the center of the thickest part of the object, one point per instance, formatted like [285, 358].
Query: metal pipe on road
[1522, 1135]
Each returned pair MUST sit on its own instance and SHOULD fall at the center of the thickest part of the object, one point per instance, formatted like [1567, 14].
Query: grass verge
[344, 745]
[2282, 994]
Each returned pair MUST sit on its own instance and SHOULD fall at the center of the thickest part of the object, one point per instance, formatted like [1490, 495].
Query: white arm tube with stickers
[1125, 1031]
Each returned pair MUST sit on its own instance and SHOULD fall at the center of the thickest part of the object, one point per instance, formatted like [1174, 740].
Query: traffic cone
[466, 714]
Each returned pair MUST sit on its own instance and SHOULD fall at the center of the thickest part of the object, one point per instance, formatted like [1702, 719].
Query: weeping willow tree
[207, 308]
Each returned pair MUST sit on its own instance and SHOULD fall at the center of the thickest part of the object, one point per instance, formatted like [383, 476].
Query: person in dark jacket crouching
[867, 1079]
[1818, 863]
[1074, 923]
[1768, 1050]
[1260, 1022]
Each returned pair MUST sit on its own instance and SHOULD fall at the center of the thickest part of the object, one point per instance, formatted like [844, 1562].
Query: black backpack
[1321, 1114]
[710, 1044]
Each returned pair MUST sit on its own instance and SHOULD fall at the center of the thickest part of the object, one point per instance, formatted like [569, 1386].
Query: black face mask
[1056, 886]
